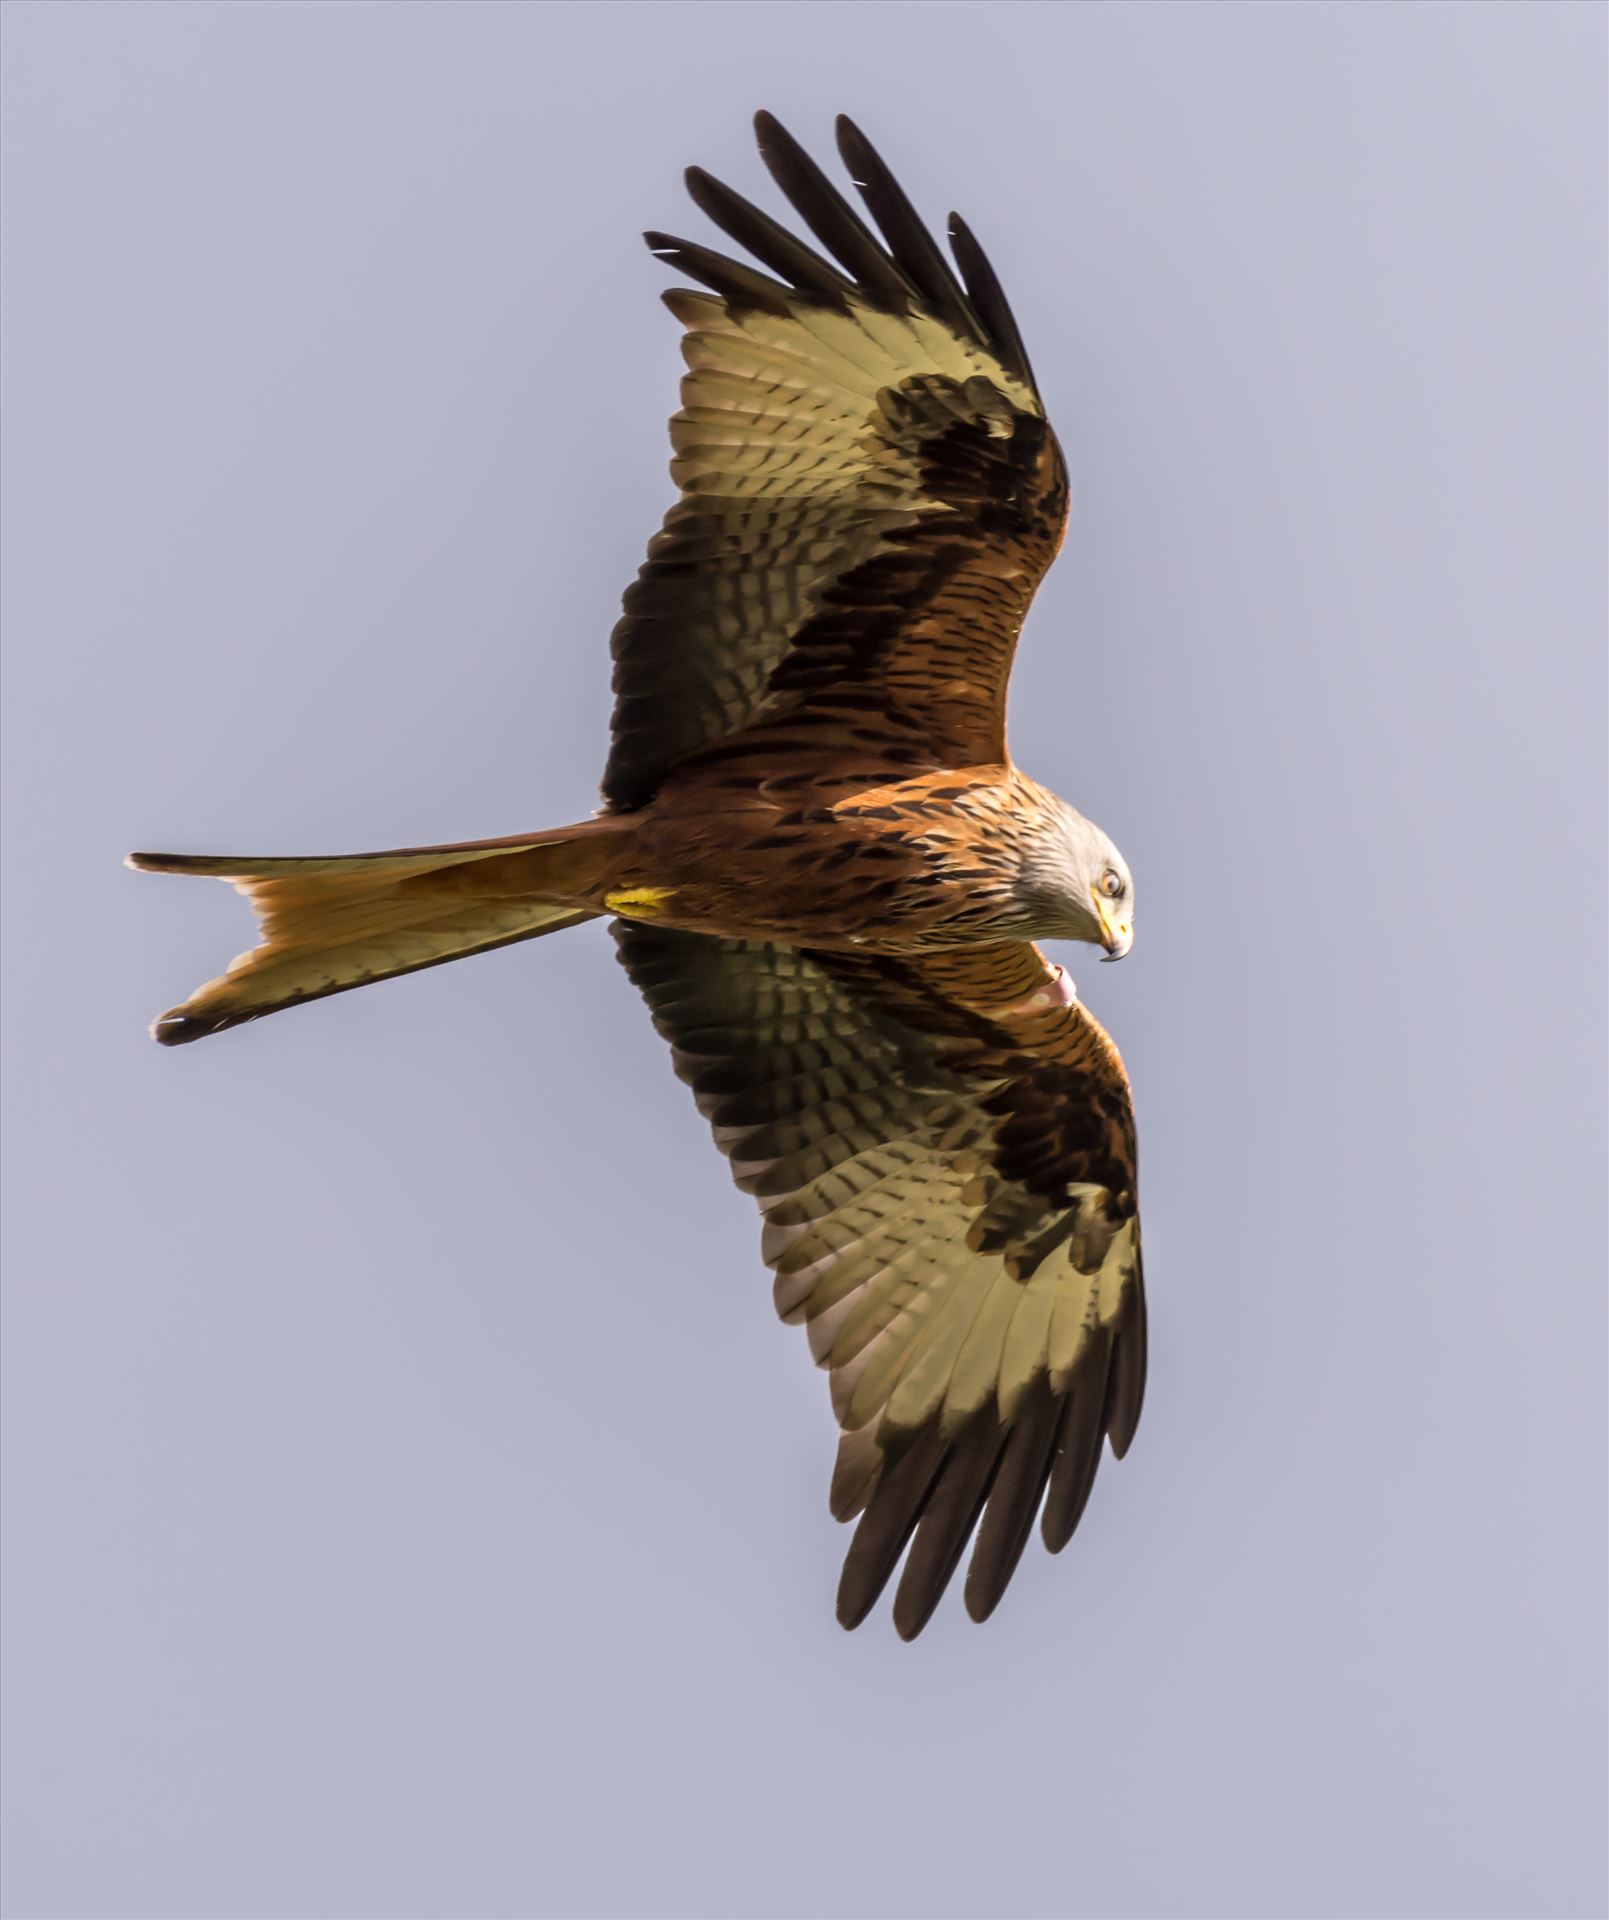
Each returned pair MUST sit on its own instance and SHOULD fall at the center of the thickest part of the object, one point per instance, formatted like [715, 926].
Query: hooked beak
[1117, 930]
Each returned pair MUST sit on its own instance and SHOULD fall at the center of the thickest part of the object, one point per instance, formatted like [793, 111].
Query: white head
[1073, 884]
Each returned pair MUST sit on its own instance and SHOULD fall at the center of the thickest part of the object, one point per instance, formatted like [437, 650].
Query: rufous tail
[328, 925]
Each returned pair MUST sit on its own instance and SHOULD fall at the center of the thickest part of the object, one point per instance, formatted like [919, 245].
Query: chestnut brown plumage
[827, 875]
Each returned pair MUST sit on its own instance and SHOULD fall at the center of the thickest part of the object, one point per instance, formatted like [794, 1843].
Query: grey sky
[411, 1504]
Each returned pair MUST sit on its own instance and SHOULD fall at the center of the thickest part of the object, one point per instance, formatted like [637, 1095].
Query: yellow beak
[1117, 929]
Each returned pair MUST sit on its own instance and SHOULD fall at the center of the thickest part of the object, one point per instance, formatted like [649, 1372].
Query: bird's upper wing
[943, 1150]
[870, 492]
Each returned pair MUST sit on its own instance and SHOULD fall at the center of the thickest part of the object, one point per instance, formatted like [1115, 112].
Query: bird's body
[827, 875]
[893, 864]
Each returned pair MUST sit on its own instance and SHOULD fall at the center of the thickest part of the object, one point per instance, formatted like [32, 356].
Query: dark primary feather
[1019, 1486]
[947, 1523]
[1078, 1453]
[830, 217]
[887, 1524]
[767, 239]
[989, 302]
[1126, 1387]
[913, 247]
[729, 278]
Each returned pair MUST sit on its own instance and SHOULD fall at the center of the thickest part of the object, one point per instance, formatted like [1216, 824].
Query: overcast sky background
[412, 1507]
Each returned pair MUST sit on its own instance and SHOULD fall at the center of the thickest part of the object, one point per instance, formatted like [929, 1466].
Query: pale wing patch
[952, 1327]
[788, 406]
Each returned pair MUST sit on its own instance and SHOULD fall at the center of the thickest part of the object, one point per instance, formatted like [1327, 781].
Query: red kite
[827, 876]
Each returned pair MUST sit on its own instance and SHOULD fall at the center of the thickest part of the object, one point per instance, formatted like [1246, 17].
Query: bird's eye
[1111, 883]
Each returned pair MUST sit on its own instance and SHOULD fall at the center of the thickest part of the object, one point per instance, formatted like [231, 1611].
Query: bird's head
[1075, 885]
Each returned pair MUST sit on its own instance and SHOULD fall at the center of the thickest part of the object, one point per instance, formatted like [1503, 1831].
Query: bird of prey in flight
[826, 876]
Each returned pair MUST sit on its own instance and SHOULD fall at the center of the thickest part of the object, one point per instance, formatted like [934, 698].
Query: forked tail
[328, 925]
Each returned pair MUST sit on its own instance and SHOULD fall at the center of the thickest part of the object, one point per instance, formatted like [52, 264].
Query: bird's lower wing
[943, 1153]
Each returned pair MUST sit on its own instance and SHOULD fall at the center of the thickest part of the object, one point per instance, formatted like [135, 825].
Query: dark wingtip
[829, 216]
[854, 147]
[1126, 1387]
[729, 278]
[981, 1601]
[915, 1604]
[989, 301]
[850, 142]
[912, 247]
[909, 1624]
[853, 1605]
